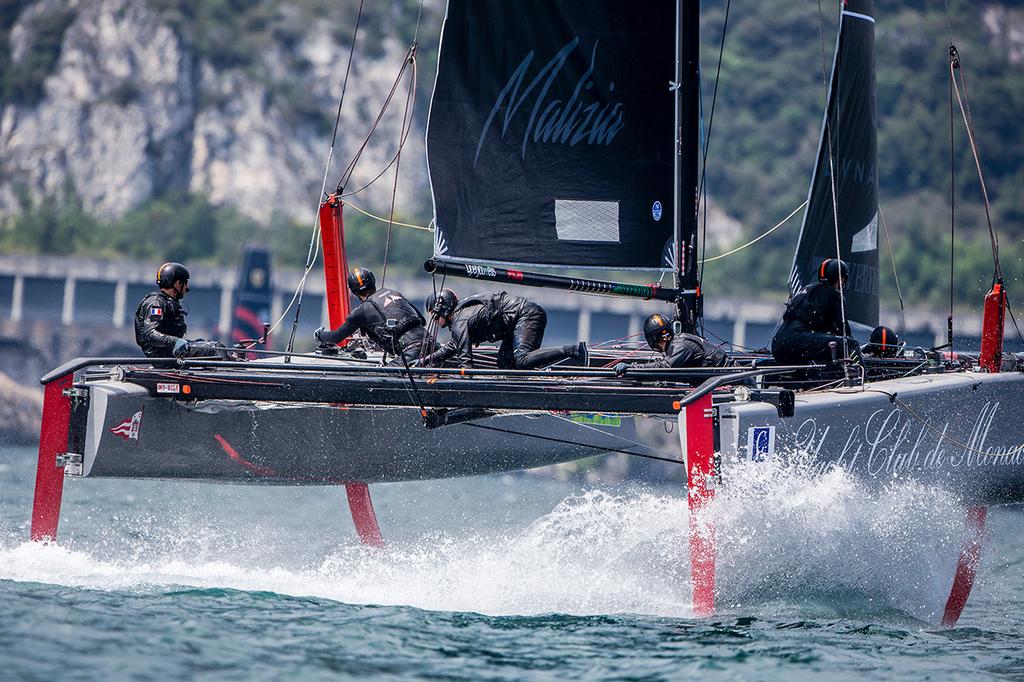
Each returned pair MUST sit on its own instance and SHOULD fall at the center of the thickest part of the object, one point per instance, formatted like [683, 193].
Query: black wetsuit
[514, 321]
[689, 350]
[389, 319]
[159, 323]
[812, 320]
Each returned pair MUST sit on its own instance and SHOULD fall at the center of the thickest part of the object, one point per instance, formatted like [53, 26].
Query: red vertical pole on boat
[332, 236]
[992, 325]
[53, 440]
[966, 567]
[696, 435]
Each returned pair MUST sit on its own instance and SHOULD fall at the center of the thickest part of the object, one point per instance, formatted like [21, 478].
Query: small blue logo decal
[656, 211]
[761, 443]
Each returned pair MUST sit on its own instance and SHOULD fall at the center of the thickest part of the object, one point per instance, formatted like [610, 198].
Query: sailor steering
[160, 319]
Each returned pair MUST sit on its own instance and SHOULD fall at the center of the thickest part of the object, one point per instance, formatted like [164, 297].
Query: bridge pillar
[739, 331]
[635, 326]
[17, 298]
[583, 325]
[67, 314]
[120, 297]
[224, 323]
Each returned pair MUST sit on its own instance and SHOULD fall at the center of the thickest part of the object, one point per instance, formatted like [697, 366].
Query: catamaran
[565, 135]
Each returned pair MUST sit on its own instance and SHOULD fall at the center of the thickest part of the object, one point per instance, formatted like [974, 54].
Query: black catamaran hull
[957, 430]
[131, 434]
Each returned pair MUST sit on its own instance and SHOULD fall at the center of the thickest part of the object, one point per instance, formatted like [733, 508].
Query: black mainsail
[550, 141]
[847, 151]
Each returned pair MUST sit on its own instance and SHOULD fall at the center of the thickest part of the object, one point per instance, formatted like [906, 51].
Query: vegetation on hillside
[762, 148]
[767, 125]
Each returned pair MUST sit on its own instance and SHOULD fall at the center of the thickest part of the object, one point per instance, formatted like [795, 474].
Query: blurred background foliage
[762, 145]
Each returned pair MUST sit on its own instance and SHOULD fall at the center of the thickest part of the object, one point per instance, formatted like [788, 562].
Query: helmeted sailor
[678, 350]
[518, 324]
[814, 319]
[160, 319]
[883, 343]
[385, 316]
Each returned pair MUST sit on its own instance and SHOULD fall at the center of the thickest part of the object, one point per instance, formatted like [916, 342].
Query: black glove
[181, 348]
[317, 339]
[620, 369]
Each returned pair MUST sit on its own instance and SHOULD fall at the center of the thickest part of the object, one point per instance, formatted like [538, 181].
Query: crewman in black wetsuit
[514, 321]
[883, 343]
[680, 350]
[385, 316]
[160, 319]
[814, 319]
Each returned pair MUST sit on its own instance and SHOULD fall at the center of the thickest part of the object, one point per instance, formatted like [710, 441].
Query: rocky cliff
[124, 100]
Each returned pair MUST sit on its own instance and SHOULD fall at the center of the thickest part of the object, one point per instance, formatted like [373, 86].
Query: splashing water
[788, 540]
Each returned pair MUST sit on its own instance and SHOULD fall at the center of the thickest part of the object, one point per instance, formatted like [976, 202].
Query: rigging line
[830, 131]
[895, 275]
[350, 168]
[347, 173]
[384, 220]
[394, 159]
[341, 100]
[410, 104]
[941, 434]
[591, 427]
[758, 238]
[952, 192]
[419, 17]
[965, 110]
[734, 346]
[702, 192]
[1014, 318]
[314, 246]
[314, 249]
[574, 443]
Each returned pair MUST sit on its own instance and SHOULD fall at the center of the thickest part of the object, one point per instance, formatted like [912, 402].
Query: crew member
[385, 316]
[814, 319]
[679, 350]
[514, 321]
[160, 319]
[883, 343]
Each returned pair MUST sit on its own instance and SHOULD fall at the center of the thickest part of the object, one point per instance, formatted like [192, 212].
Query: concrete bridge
[62, 307]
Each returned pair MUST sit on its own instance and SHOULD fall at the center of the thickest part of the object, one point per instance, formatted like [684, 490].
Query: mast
[686, 159]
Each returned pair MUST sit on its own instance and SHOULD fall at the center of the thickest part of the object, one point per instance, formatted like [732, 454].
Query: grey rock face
[130, 112]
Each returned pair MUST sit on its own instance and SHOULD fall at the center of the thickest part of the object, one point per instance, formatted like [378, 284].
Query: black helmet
[657, 328]
[169, 273]
[443, 304]
[831, 269]
[361, 281]
[883, 342]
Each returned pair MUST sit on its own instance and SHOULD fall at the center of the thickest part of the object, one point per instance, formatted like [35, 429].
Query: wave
[789, 541]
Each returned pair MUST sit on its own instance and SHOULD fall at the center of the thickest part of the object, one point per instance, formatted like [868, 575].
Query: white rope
[385, 220]
[758, 238]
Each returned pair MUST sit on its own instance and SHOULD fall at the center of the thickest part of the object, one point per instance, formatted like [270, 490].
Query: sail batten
[550, 137]
[847, 149]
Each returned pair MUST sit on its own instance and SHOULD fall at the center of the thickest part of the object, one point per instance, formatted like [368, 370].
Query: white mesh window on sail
[866, 239]
[587, 221]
